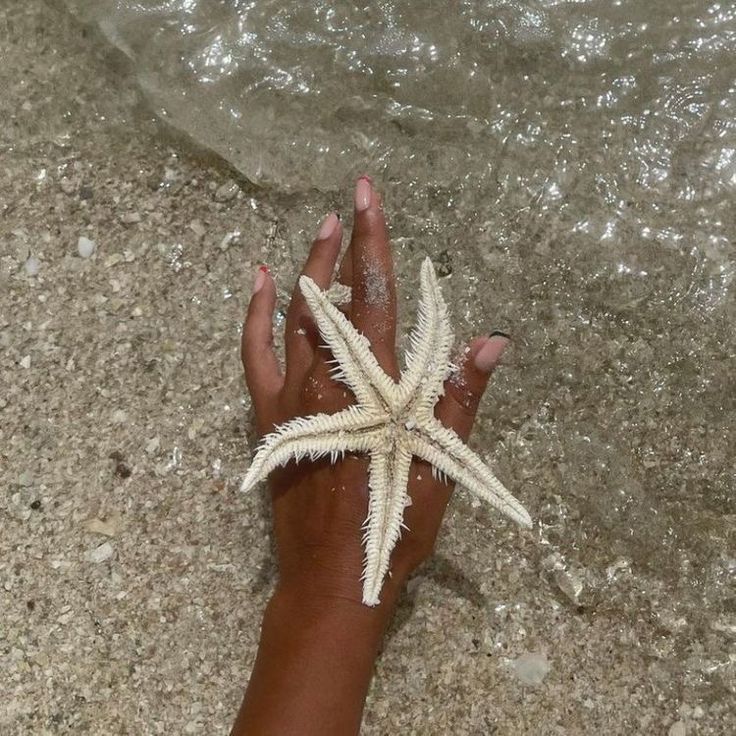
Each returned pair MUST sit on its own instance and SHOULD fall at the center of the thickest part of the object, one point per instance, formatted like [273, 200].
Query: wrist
[314, 664]
[323, 581]
[320, 605]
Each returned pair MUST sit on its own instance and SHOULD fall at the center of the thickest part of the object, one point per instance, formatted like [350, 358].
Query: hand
[318, 642]
[319, 508]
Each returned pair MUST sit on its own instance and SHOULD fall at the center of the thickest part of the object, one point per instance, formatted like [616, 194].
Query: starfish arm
[445, 451]
[356, 365]
[351, 430]
[428, 358]
[388, 477]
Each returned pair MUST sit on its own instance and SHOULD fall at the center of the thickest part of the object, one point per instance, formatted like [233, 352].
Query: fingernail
[328, 226]
[260, 278]
[488, 356]
[362, 194]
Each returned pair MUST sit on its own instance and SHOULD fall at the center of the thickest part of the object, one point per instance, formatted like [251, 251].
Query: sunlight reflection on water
[570, 166]
[618, 117]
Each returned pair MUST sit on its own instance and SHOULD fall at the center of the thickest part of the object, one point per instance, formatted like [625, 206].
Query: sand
[133, 574]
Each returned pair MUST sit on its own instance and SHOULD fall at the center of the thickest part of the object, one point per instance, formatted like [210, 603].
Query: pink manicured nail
[362, 194]
[328, 226]
[260, 278]
[488, 356]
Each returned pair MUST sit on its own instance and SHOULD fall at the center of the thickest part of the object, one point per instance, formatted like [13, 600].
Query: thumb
[465, 387]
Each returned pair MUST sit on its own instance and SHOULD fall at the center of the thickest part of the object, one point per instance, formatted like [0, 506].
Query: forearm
[314, 665]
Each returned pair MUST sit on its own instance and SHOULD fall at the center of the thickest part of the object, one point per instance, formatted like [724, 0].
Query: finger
[345, 276]
[456, 409]
[373, 309]
[262, 372]
[464, 388]
[301, 333]
[345, 272]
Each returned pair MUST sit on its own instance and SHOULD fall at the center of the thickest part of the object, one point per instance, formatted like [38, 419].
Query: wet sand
[133, 574]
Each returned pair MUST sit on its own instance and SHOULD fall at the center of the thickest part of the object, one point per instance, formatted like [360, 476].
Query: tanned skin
[319, 643]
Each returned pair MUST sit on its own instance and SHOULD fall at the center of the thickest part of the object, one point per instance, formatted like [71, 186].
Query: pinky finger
[262, 371]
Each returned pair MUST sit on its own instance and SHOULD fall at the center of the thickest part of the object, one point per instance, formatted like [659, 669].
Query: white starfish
[392, 422]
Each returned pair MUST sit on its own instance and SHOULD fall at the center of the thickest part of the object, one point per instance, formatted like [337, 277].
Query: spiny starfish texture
[391, 422]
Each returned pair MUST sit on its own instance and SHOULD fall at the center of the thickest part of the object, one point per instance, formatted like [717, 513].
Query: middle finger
[373, 309]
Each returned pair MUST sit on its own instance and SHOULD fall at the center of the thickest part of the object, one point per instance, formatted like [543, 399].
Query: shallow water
[612, 115]
[570, 167]
[577, 160]
[584, 154]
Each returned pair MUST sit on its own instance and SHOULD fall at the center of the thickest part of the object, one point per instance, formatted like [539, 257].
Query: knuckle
[464, 401]
[250, 357]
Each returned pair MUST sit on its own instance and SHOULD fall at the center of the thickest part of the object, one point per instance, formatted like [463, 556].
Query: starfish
[392, 422]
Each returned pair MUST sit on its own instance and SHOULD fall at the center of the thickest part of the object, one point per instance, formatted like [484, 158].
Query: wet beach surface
[133, 574]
